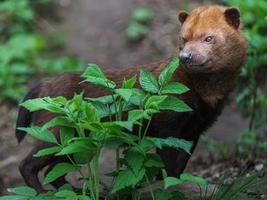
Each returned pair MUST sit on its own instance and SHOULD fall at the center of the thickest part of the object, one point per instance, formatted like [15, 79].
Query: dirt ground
[94, 31]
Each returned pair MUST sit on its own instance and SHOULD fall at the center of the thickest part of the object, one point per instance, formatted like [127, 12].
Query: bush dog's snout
[186, 57]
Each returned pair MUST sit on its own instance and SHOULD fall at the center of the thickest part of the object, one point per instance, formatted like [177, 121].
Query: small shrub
[137, 28]
[84, 133]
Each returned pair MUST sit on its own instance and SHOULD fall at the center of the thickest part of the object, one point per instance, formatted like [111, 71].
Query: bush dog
[211, 53]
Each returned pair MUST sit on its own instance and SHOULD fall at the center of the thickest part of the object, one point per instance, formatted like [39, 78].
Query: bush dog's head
[211, 39]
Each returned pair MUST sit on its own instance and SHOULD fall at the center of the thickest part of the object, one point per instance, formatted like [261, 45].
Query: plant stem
[92, 188]
[73, 163]
[140, 130]
[84, 189]
[80, 129]
[117, 165]
[109, 116]
[147, 126]
[150, 188]
[95, 183]
[120, 109]
[254, 104]
[115, 106]
[96, 175]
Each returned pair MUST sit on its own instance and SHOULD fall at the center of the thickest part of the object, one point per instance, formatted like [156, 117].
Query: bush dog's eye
[208, 39]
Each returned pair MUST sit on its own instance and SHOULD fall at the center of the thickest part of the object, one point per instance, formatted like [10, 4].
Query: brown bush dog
[211, 54]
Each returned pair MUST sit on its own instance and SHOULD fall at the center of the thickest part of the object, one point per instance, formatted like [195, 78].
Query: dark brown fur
[209, 84]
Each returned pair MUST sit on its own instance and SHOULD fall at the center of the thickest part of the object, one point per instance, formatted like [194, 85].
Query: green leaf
[135, 115]
[176, 195]
[77, 147]
[113, 127]
[134, 159]
[127, 178]
[65, 194]
[102, 82]
[154, 102]
[124, 93]
[48, 151]
[143, 15]
[148, 81]
[84, 158]
[66, 134]
[167, 73]
[129, 84]
[66, 186]
[125, 124]
[153, 160]
[114, 142]
[104, 99]
[93, 70]
[24, 191]
[149, 112]
[14, 197]
[94, 75]
[101, 108]
[93, 126]
[171, 181]
[174, 88]
[136, 31]
[174, 104]
[147, 144]
[58, 171]
[90, 112]
[161, 194]
[193, 179]
[37, 132]
[164, 173]
[58, 121]
[46, 103]
[138, 97]
[171, 142]
[80, 197]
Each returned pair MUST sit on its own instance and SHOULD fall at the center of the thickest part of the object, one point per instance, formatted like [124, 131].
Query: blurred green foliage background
[24, 50]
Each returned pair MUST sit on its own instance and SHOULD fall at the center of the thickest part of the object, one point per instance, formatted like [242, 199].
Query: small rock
[259, 167]
[216, 175]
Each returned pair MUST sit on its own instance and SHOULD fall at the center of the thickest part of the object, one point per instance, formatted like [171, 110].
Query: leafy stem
[147, 126]
[150, 187]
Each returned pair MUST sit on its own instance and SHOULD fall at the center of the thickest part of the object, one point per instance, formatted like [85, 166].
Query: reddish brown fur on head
[211, 39]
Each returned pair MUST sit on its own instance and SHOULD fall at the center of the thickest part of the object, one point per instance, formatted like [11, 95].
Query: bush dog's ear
[232, 16]
[182, 16]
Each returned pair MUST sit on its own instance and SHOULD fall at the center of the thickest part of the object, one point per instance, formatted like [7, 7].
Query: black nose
[186, 57]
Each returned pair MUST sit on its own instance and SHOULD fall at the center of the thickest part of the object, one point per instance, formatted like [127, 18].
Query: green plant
[136, 31]
[91, 124]
[252, 90]
[15, 60]
[236, 190]
[248, 145]
[23, 50]
[138, 28]
[214, 146]
[143, 15]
